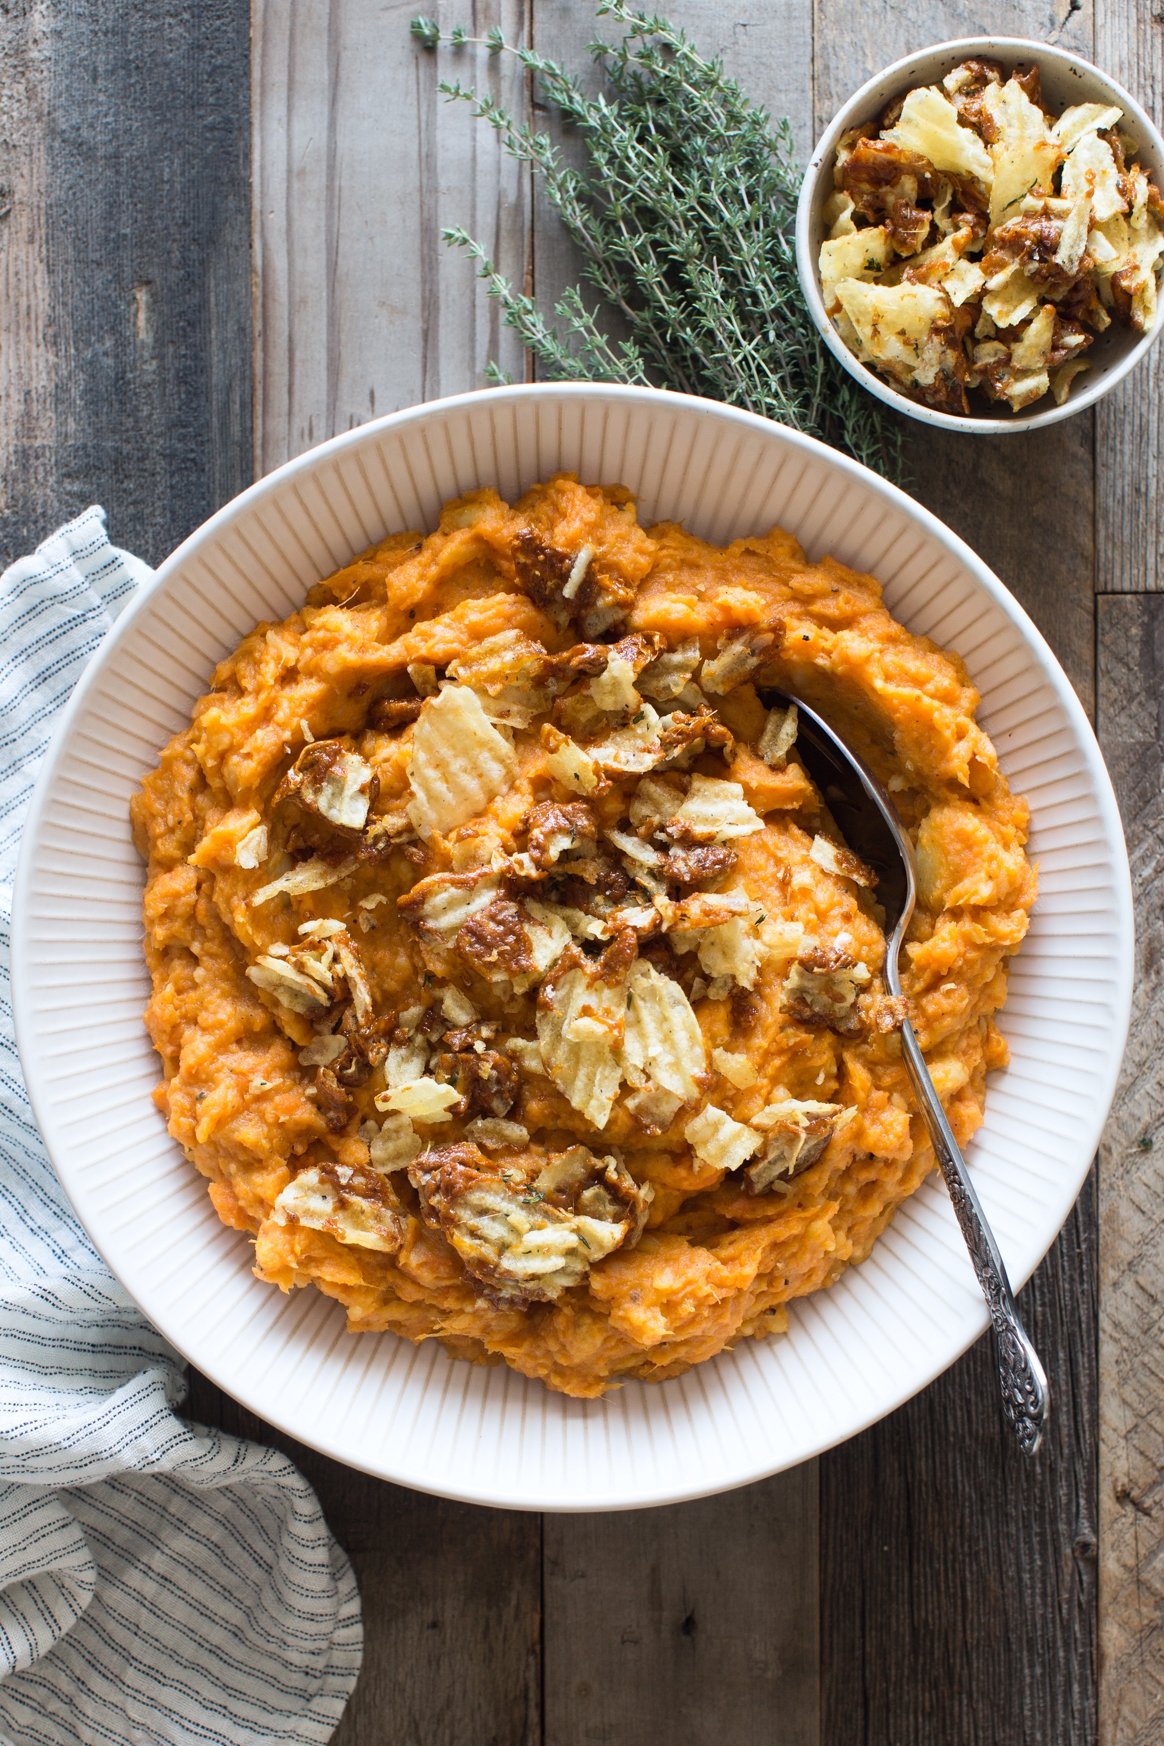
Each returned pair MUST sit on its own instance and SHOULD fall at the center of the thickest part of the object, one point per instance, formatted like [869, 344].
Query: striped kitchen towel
[159, 1582]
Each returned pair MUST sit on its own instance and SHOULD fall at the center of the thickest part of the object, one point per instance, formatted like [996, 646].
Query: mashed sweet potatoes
[511, 979]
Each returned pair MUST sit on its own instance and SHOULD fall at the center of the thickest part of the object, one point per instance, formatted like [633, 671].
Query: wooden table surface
[220, 230]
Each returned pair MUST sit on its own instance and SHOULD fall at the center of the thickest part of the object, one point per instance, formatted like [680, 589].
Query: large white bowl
[409, 1413]
[1066, 79]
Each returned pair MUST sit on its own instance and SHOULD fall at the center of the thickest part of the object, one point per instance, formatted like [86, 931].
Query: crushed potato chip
[1084, 118]
[396, 1144]
[524, 1250]
[252, 849]
[313, 875]
[526, 1053]
[459, 762]
[496, 1135]
[779, 736]
[614, 688]
[448, 900]
[322, 1051]
[631, 749]
[822, 985]
[796, 1133]
[736, 1069]
[1062, 378]
[1091, 171]
[859, 255]
[424, 677]
[656, 799]
[1010, 295]
[714, 811]
[457, 1007]
[662, 1036]
[838, 214]
[289, 984]
[963, 283]
[719, 1141]
[739, 654]
[653, 1108]
[1033, 349]
[405, 1062]
[1073, 236]
[733, 952]
[568, 763]
[1026, 153]
[422, 1100]
[929, 126]
[835, 858]
[900, 326]
[580, 1024]
[670, 672]
[315, 1202]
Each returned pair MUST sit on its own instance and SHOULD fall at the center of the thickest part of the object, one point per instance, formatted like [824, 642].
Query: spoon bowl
[868, 821]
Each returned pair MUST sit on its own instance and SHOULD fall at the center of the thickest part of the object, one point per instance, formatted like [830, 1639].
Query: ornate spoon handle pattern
[1025, 1393]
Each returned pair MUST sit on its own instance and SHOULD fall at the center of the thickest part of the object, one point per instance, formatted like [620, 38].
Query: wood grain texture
[451, 1598]
[1129, 44]
[124, 375]
[358, 163]
[26, 373]
[696, 1626]
[1026, 504]
[958, 1583]
[854, 42]
[957, 1577]
[1131, 1577]
[766, 44]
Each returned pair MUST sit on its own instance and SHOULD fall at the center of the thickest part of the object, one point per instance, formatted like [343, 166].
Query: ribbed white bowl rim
[408, 1413]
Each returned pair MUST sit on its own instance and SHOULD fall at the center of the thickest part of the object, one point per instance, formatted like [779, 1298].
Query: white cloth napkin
[158, 1583]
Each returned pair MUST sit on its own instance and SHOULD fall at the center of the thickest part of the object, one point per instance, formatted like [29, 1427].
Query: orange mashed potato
[511, 980]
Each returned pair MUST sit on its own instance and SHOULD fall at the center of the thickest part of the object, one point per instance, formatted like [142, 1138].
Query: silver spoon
[870, 825]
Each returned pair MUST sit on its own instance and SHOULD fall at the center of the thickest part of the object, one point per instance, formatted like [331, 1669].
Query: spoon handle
[1025, 1395]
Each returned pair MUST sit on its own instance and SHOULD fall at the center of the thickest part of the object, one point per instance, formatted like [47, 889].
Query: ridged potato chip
[580, 1025]
[459, 762]
[315, 1202]
[662, 1037]
[714, 811]
[719, 1141]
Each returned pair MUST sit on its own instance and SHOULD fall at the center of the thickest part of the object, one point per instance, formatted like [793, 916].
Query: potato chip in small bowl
[980, 234]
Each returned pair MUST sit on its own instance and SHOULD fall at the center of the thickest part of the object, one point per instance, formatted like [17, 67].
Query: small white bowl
[1066, 80]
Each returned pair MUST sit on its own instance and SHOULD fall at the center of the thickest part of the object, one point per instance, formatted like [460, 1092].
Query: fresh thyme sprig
[684, 221]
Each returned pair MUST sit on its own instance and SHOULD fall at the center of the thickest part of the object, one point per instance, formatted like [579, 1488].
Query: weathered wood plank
[853, 43]
[695, 1625]
[124, 374]
[958, 1578]
[1131, 1462]
[451, 1599]
[1129, 44]
[26, 364]
[358, 163]
[766, 44]
[1026, 505]
[958, 1593]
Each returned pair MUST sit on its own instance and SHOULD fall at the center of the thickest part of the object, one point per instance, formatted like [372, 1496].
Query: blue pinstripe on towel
[157, 1583]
